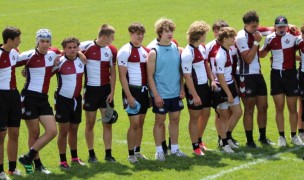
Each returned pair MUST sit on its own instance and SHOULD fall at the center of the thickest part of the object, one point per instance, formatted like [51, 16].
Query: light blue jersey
[167, 71]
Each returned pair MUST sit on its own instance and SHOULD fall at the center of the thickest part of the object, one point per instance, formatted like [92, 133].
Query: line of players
[228, 65]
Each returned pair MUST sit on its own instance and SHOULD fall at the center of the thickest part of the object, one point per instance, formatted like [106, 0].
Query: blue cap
[133, 110]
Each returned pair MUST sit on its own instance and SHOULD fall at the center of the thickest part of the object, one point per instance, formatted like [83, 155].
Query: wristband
[256, 43]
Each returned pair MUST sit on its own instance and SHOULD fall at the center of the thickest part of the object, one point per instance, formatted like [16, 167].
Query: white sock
[174, 148]
[159, 149]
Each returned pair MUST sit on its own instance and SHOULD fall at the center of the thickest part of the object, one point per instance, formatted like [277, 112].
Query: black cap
[281, 21]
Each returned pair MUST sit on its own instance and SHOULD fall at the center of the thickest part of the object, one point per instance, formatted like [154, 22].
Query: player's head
[218, 25]
[281, 25]
[137, 32]
[227, 35]
[43, 38]
[11, 35]
[70, 46]
[197, 32]
[251, 21]
[107, 33]
[164, 25]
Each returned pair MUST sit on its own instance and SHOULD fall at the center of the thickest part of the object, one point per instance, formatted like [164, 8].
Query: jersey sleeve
[114, 53]
[300, 44]
[264, 30]
[123, 56]
[24, 57]
[266, 44]
[186, 61]
[242, 43]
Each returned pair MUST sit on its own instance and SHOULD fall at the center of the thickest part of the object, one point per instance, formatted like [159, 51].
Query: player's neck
[164, 42]
[101, 43]
[196, 44]
[6, 47]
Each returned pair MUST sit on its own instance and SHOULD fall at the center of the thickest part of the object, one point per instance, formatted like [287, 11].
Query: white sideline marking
[242, 166]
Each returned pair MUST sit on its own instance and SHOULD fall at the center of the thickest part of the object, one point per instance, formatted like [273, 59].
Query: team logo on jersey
[38, 60]
[122, 62]
[287, 41]
[161, 109]
[144, 55]
[13, 58]
[80, 65]
[106, 54]
[50, 59]
[187, 69]
[220, 69]
[4, 61]
[28, 113]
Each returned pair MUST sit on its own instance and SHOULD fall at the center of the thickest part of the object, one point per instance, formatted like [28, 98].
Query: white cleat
[132, 159]
[296, 141]
[232, 145]
[301, 137]
[282, 141]
[160, 156]
[227, 149]
[179, 153]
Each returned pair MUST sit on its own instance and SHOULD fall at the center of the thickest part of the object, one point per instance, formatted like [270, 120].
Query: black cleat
[92, 159]
[266, 142]
[110, 159]
[251, 145]
[28, 166]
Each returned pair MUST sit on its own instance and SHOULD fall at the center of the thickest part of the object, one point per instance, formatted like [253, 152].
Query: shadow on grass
[83, 172]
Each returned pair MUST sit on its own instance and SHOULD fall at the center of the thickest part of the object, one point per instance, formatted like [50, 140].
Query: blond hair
[196, 30]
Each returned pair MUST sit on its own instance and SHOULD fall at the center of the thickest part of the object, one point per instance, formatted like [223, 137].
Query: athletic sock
[200, 140]
[164, 146]
[38, 163]
[12, 165]
[225, 141]
[174, 148]
[262, 133]
[74, 153]
[109, 152]
[62, 157]
[137, 149]
[92, 153]
[301, 130]
[195, 145]
[293, 134]
[31, 154]
[169, 145]
[249, 136]
[131, 152]
[282, 134]
[159, 149]
[1, 168]
[229, 134]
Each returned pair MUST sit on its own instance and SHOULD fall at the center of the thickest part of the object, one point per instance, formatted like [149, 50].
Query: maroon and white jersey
[99, 61]
[69, 75]
[135, 60]
[193, 62]
[300, 45]
[153, 43]
[8, 62]
[283, 50]
[223, 61]
[38, 69]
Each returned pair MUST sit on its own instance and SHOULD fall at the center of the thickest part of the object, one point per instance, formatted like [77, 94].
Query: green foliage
[82, 19]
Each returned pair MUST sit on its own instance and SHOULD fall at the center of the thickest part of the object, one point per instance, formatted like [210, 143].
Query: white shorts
[226, 105]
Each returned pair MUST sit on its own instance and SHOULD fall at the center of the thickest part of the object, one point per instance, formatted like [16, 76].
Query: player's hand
[230, 98]
[131, 101]
[197, 100]
[182, 93]
[213, 86]
[56, 62]
[159, 102]
[293, 28]
[110, 97]
[82, 57]
[257, 36]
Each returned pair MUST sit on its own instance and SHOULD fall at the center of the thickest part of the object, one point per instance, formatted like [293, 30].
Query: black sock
[92, 153]
[282, 134]
[131, 152]
[195, 145]
[164, 146]
[62, 157]
[293, 134]
[1, 168]
[200, 140]
[31, 154]
[12, 165]
[225, 141]
[301, 130]
[262, 133]
[109, 153]
[74, 153]
[249, 136]
[38, 163]
[137, 149]
[169, 145]
[228, 133]
[219, 137]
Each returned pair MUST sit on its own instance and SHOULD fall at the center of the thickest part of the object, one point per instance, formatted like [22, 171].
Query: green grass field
[83, 18]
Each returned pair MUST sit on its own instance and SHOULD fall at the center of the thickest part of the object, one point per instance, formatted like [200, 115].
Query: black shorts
[140, 93]
[170, 105]
[301, 85]
[204, 92]
[67, 109]
[34, 104]
[96, 97]
[251, 85]
[10, 109]
[284, 82]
